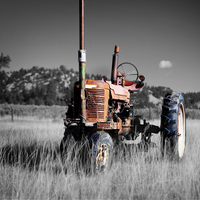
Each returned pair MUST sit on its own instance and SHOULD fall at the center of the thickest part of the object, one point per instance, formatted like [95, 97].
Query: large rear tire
[101, 146]
[173, 133]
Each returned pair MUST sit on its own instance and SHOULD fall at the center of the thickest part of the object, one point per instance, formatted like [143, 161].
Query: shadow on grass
[126, 153]
[47, 156]
[32, 156]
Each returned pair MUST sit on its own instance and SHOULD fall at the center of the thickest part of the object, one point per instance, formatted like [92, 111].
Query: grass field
[30, 167]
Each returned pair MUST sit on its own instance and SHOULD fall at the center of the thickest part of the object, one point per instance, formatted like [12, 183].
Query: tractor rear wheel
[173, 133]
[101, 146]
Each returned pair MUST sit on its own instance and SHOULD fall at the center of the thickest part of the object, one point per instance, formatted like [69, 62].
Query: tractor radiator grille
[95, 104]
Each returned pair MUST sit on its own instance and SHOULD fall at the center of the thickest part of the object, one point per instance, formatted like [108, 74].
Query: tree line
[39, 86]
[42, 86]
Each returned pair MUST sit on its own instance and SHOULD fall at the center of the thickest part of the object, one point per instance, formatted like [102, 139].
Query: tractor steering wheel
[129, 71]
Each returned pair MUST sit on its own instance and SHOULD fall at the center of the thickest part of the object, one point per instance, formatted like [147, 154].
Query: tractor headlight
[141, 78]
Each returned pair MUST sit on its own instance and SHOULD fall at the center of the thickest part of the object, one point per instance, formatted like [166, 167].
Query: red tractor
[101, 114]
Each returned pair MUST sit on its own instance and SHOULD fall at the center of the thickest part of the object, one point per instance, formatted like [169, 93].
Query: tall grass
[31, 168]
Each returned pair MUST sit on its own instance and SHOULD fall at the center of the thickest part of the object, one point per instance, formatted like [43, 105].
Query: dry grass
[30, 168]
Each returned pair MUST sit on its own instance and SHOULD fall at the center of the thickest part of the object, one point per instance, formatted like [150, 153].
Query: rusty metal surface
[97, 92]
[95, 104]
[119, 93]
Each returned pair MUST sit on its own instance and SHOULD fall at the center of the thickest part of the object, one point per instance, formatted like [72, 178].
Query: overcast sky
[160, 37]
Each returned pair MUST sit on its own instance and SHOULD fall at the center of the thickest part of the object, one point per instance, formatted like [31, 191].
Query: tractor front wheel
[101, 146]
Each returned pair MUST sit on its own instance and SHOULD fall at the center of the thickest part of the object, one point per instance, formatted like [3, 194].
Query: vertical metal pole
[114, 66]
[82, 61]
[81, 24]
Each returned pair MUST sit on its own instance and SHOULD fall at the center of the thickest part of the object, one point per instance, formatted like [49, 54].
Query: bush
[192, 114]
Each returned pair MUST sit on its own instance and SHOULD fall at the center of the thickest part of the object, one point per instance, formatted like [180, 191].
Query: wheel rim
[102, 156]
[181, 131]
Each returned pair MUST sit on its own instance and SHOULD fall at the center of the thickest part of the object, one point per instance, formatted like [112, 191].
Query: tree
[31, 101]
[39, 101]
[4, 61]
[51, 93]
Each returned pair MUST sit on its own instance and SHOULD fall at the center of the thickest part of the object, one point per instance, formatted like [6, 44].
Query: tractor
[101, 114]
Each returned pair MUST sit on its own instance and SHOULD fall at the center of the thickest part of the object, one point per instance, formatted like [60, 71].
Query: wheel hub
[102, 156]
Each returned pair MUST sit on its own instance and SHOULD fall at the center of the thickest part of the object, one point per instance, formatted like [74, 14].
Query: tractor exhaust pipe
[82, 61]
[114, 66]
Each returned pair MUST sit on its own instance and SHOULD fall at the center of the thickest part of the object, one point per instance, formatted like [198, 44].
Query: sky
[160, 37]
